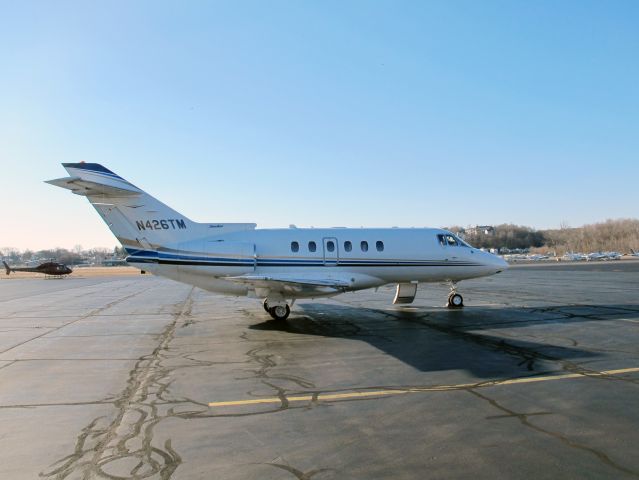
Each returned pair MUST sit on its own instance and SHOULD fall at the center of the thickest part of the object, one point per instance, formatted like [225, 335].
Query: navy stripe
[212, 263]
[274, 264]
[91, 167]
[208, 264]
[169, 256]
[149, 256]
[141, 253]
[139, 260]
[133, 259]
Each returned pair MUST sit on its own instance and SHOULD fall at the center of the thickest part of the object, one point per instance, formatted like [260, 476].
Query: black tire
[455, 300]
[280, 313]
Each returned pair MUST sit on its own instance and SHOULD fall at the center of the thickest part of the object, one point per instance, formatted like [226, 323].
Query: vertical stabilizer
[138, 220]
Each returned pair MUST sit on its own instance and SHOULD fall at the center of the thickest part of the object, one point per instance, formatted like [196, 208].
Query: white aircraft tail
[138, 220]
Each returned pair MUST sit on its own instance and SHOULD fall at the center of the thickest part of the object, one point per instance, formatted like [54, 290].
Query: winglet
[7, 267]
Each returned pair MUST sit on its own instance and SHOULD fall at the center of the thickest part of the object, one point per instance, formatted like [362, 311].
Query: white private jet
[276, 265]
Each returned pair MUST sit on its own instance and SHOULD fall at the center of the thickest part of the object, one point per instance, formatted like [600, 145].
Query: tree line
[74, 256]
[612, 235]
[620, 235]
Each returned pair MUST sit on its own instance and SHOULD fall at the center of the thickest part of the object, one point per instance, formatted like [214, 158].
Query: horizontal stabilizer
[80, 186]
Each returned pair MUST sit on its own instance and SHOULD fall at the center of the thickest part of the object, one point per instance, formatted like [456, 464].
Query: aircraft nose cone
[501, 264]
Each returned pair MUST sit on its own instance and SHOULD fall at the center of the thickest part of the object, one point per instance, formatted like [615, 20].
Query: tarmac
[138, 377]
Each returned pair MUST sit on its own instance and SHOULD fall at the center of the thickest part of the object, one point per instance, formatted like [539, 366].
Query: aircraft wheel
[455, 300]
[265, 305]
[281, 312]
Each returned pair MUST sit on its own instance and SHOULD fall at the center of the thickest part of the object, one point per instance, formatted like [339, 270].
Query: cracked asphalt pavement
[143, 378]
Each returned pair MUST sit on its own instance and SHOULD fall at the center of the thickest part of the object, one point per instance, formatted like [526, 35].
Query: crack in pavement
[11, 362]
[92, 313]
[31, 295]
[61, 404]
[265, 362]
[528, 356]
[300, 475]
[524, 420]
[106, 451]
[124, 448]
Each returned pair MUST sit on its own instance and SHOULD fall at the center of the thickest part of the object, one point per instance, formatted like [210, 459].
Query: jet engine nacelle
[194, 261]
[197, 257]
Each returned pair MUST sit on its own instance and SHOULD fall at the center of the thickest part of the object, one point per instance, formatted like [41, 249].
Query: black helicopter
[48, 268]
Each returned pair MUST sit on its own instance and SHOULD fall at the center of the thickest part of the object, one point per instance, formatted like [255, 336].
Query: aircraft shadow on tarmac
[438, 340]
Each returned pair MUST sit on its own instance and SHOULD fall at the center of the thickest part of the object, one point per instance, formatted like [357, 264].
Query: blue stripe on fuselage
[147, 256]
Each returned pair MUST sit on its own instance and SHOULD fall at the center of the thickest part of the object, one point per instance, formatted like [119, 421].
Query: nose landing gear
[455, 300]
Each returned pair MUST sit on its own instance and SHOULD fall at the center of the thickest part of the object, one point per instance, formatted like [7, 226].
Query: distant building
[480, 230]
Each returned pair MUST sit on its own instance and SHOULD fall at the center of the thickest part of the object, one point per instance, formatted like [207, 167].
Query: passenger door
[331, 252]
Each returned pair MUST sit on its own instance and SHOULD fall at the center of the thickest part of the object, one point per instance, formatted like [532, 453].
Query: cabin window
[364, 246]
[348, 246]
[312, 247]
[295, 247]
[330, 246]
[448, 240]
[379, 245]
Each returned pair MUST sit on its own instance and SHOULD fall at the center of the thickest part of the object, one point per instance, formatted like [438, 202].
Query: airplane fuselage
[363, 257]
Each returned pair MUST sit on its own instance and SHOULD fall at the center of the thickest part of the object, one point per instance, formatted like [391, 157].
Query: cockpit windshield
[450, 240]
[461, 243]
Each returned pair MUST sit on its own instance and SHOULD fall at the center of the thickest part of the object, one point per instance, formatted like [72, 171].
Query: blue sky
[373, 113]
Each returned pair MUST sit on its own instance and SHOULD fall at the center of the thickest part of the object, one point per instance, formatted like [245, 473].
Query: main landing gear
[278, 312]
[455, 300]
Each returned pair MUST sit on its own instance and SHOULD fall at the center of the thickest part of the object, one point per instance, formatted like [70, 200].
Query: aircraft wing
[287, 284]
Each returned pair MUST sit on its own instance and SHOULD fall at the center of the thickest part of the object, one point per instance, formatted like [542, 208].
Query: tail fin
[137, 219]
[7, 267]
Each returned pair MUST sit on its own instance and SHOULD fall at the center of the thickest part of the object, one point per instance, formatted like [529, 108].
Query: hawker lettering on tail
[274, 265]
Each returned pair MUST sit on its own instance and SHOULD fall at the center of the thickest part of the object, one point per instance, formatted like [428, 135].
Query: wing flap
[290, 284]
